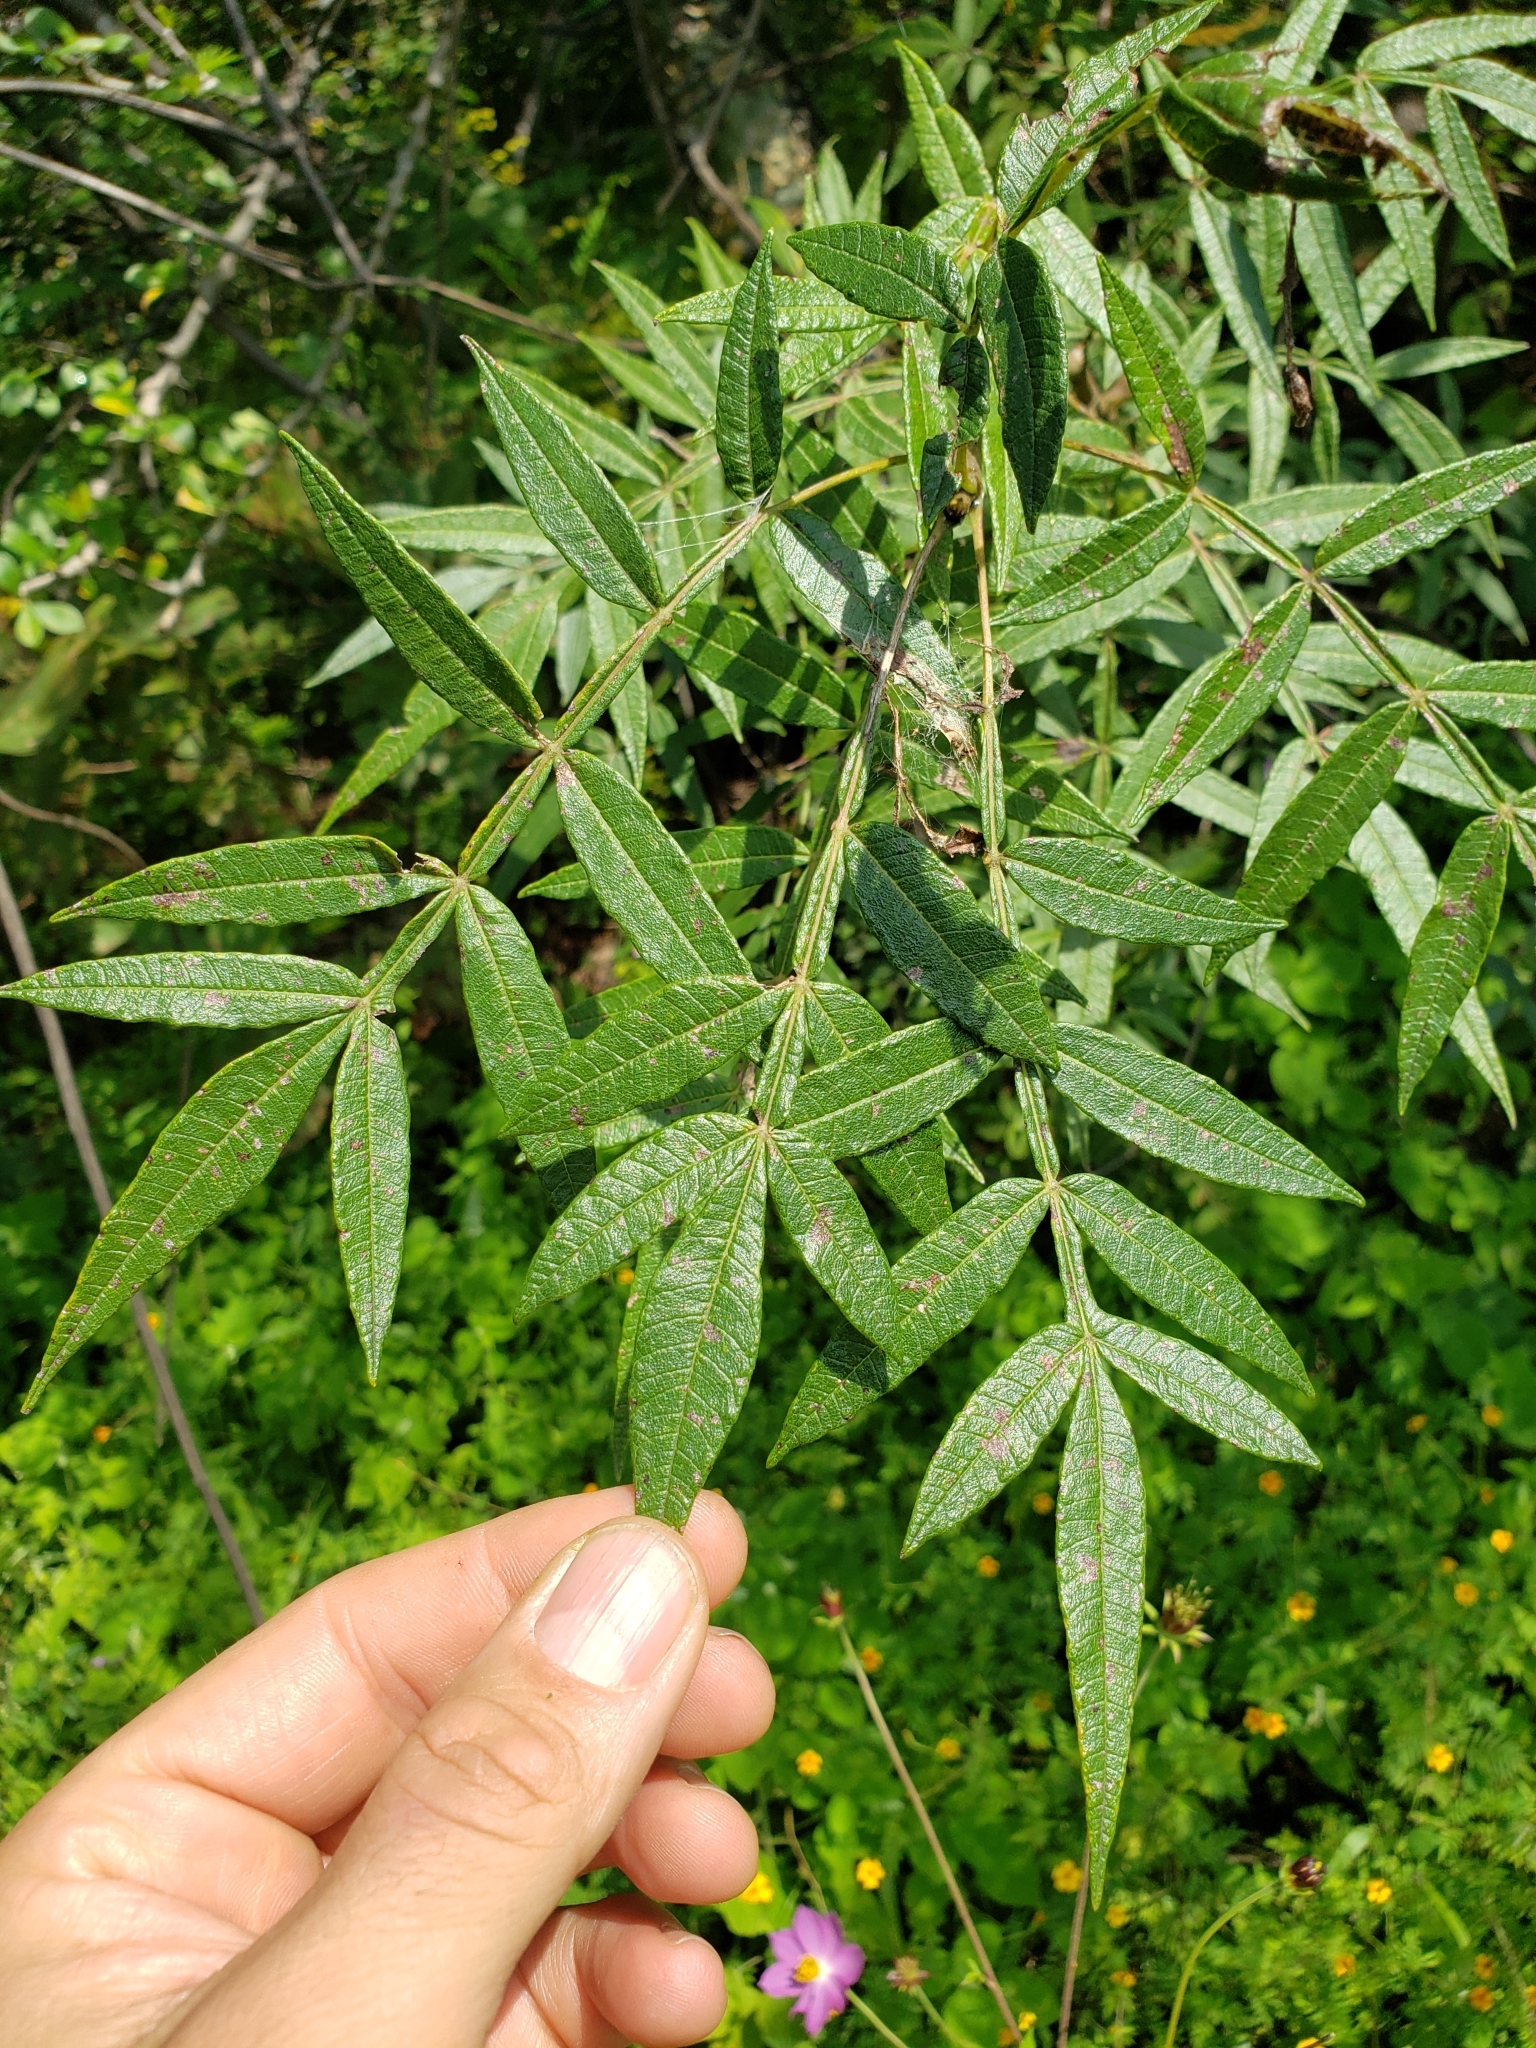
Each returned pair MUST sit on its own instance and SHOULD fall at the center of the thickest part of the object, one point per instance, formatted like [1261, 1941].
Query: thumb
[501, 1794]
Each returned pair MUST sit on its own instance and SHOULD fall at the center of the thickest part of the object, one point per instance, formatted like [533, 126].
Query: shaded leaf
[850, 1374]
[235, 990]
[1158, 384]
[425, 715]
[1450, 948]
[505, 532]
[909, 1172]
[1175, 1273]
[1435, 42]
[207, 1159]
[749, 411]
[371, 1176]
[1170, 1109]
[471, 589]
[941, 1282]
[1022, 326]
[858, 599]
[680, 356]
[270, 881]
[793, 684]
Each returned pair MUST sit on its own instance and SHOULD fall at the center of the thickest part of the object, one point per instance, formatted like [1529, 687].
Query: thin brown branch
[85, 1145]
[23, 810]
[61, 425]
[461, 298]
[655, 99]
[717, 188]
[706, 135]
[186, 117]
[1064, 2029]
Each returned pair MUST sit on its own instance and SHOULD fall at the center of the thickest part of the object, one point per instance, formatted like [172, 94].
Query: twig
[716, 186]
[85, 1145]
[946, 1871]
[1215, 1928]
[1064, 2030]
[168, 110]
[808, 1876]
[868, 2013]
[14, 803]
[263, 358]
[121, 196]
[655, 99]
[61, 425]
[706, 135]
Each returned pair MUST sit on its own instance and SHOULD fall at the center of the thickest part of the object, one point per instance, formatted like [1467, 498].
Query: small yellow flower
[1378, 1891]
[1260, 1722]
[101, 1432]
[1464, 1593]
[1484, 1967]
[1344, 1966]
[870, 1873]
[1493, 1414]
[870, 1657]
[988, 1567]
[1301, 1607]
[1530, 1996]
[758, 1892]
[837, 1500]
[1439, 1758]
[1254, 1719]
[1126, 1979]
[947, 1748]
[1503, 1541]
[1043, 1503]
[1026, 2021]
[1066, 1875]
[1448, 1565]
[590, 1487]
[625, 1276]
[1117, 1916]
[1480, 1998]
[1041, 1702]
[1272, 1484]
[808, 1763]
[1416, 1423]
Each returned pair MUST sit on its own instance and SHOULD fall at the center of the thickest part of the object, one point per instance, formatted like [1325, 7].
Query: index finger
[300, 1718]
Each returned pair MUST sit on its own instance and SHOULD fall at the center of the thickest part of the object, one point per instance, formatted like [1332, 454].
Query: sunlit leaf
[890, 273]
[1112, 561]
[791, 683]
[832, 1233]
[370, 1176]
[233, 990]
[270, 881]
[749, 411]
[1022, 325]
[878, 1094]
[1450, 948]
[1107, 889]
[947, 147]
[1202, 1390]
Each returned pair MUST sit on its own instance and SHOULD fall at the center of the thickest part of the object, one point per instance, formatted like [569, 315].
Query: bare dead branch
[22, 810]
[186, 117]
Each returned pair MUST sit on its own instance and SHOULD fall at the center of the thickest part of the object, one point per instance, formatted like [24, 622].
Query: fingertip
[718, 1534]
[660, 1987]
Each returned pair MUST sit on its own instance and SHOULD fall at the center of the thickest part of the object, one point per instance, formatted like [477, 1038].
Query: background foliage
[1296, 1728]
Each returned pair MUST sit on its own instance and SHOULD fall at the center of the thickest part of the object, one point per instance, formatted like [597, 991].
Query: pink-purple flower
[814, 1966]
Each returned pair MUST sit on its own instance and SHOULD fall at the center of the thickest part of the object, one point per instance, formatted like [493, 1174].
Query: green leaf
[1489, 693]
[1023, 643]
[648, 385]
[270, 881]
[1317, 825]
[1300, 47]
[812, 361]
[878, 1094]
[1322, 251]
[1044, 799]
[801, 305]
[1101, 1543]
[1232, 272]
[610, 444]
[471, 589]
[641, 876]
[1202, 1390]
[644, 1054]
[371, 1176]
[1170, 1109]
[722, 856]
[909, 1172]
[850, 1374]
[749, 411]
[519, 1032]
[923, 417]
[1451, 946]
[240, 991]
[1126, 550]
[1212, 711]
[890, 273]
[791, 683]
[648, 1263]
[567, 493]
[1106, 889]
[1436, 42]
[696, 1347]
[1400, 878]
[941, 1282]
[425, 716]
[947, 148]
[1424, 510]
[828, 1224]
[1175, 1273]
[1456, 352]
[1158, 384]
[859, 601]
[964, 371]
[505, 532]
[1462, 169]
[659, 1181]
[997, 1433]
[207, 1159]
[1500, 90]
[1022, 325]
[852, 509]
[680, 356]
[444, 646]
[931, 927]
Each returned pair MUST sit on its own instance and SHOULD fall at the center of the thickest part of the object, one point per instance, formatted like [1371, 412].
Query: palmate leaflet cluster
[667, 1115]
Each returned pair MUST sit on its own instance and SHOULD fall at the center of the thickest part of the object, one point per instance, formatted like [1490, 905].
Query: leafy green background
[112, 1586]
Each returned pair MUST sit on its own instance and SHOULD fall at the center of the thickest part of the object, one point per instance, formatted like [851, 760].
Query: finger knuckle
[499, 1768]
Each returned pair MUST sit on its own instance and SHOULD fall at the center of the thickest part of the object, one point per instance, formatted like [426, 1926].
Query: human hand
[356, 1825]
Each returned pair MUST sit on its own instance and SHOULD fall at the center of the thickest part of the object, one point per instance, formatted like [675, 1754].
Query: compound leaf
[653, 1186]
[444, 645]
[749, 410]
[1123, 896]
[885, 270]
[696, 1346]
[1202, 1390]
[931, 927]
[641, 876]
[269, 881]
[370, 1176]
[244, 991]
[568, 494]
[1158, 384]
[1170, 1109]
[207, 1159]
[828, 1224]
[1175, 1273]
[1022, 325]
[1451, 946]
